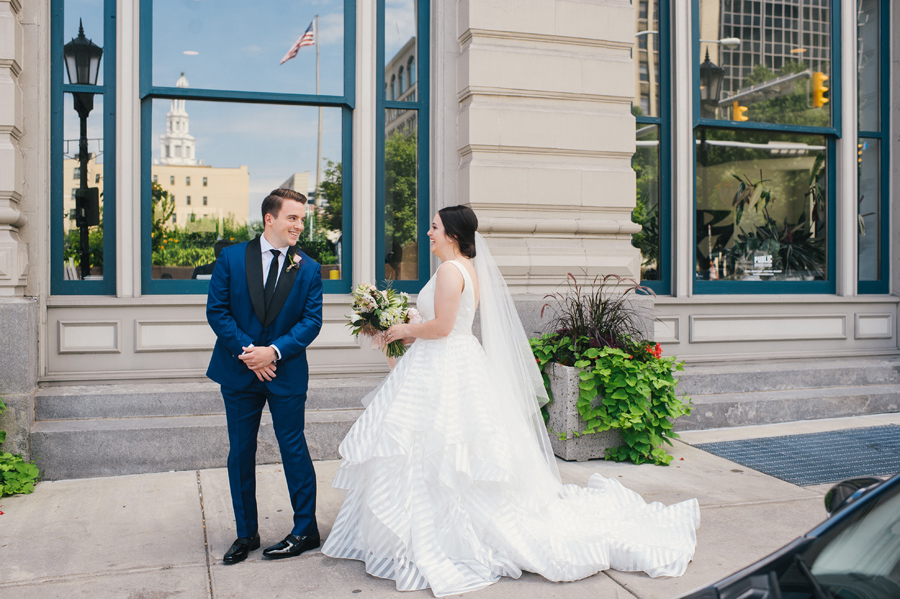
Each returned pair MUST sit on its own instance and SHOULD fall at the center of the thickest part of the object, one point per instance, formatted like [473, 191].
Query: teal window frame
[423, 123]
[149, 92]
[883, 284]
[832, 134]
[663, 286]
[58, 187]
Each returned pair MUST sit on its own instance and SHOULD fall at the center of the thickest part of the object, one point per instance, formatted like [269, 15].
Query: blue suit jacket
[236, 312]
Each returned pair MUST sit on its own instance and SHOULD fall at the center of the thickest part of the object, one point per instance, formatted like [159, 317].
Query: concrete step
[723, 410]
[788, 374]
[83, 448]
[138, 400]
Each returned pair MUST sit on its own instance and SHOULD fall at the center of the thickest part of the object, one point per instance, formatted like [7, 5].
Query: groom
[265, 306]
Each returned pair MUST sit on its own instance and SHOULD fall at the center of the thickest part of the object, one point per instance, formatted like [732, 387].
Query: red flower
[655, 351]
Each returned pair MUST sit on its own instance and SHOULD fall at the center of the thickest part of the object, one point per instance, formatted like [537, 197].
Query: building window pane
[869, 61]
[242, 165]
[761, 206]
[268, 33]
[776, 83]
[646, 212]
[646, 54]
[205, 181]
[401, 233]
[869, 214]
[83, 236]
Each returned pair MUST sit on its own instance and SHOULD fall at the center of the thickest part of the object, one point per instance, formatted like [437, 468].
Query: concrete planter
[564, 417]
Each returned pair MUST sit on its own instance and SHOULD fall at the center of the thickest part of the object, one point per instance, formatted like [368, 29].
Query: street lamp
[83, 61]
[711, 77]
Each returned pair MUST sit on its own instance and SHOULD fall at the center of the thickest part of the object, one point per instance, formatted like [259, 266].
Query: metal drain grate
[817, 458]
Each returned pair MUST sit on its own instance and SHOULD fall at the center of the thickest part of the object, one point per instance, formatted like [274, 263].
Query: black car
[854, 554]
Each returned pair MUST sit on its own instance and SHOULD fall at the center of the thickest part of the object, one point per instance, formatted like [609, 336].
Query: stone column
[18, 315]
[546, 136]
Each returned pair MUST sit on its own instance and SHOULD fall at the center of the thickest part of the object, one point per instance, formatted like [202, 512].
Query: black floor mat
[817, 458]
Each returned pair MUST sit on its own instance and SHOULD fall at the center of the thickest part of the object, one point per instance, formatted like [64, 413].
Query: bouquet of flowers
[375, 311]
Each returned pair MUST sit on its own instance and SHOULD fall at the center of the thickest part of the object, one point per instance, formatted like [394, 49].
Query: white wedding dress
[447, 488]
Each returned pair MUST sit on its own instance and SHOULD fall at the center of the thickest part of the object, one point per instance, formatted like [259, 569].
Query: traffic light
[818, 89]
[737, 112]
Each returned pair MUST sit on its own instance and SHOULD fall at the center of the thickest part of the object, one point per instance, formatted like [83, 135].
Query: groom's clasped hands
[261, 360]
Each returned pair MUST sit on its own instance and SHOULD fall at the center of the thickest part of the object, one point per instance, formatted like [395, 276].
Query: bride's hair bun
[460, 223]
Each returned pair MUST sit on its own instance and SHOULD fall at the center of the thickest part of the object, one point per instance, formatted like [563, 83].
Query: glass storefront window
[775, 57]
[401, 190]
[761, 206]
[869, 64]
[82, 214]
[193, 37]
[400, 39]
[241, 152]
[646, 212]
[869, 211]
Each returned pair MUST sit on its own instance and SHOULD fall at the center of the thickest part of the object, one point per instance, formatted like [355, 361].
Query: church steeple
[177, 145]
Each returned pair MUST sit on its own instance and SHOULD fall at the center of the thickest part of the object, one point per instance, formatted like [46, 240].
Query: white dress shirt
[267, 257]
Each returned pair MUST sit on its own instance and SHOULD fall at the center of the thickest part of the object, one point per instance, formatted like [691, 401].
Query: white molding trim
[859, 326]
[812, 330]
[682, 191]
[113, 326]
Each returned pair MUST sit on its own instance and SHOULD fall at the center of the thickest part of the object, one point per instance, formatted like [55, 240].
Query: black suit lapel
[253, 266]
[283, 288]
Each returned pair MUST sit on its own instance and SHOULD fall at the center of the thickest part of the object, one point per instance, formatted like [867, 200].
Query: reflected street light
[711, 77]
[83, 61]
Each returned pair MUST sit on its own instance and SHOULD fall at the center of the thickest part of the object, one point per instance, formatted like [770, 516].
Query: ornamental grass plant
[624, 381]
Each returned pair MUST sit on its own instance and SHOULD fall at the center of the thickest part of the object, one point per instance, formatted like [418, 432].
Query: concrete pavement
[155, 536]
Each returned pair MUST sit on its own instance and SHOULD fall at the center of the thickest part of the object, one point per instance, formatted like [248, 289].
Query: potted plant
[612, 393]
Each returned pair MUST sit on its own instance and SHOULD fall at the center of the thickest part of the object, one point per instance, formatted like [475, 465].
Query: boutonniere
[293, 262]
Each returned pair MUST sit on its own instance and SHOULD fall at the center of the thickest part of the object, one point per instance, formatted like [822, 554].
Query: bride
[449, 478]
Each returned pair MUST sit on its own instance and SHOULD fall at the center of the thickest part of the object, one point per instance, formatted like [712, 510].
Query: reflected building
[772, 33]
[646, 54]
[401, 86]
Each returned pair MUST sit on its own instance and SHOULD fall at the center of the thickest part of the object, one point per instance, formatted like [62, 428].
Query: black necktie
[272, 278]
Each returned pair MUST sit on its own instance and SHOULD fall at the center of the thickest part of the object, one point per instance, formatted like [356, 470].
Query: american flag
[307, 39]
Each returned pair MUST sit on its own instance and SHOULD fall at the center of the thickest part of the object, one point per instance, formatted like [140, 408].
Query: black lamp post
[83, 66]
[711, 77]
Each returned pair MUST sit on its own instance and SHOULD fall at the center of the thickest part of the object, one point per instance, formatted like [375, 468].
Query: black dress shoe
[240, 549]
[292, 546]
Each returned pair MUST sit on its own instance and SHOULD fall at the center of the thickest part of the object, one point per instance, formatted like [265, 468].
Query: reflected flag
[307, 39]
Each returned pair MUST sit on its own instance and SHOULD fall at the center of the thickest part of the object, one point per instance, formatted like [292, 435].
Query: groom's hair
[272, 203]
[460, 223]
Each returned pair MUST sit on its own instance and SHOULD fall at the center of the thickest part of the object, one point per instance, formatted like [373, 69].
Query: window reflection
[869, 209]
[401, 196]
[770, 51]
[82, 237]
[761, 206]
[646, 57]
[198, 37]
[869, 61]
[646, 212]
[400, 23]
[240, 152]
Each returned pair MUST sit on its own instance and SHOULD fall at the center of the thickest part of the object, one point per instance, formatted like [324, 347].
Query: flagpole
[319, 148]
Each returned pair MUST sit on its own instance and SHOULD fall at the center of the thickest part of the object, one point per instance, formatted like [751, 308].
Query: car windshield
[858, 559]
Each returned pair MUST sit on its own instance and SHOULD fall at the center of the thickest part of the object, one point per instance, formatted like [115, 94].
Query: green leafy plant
[625, 383]
[16, 475]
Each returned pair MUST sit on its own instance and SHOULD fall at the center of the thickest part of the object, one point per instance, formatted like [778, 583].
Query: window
[402, 86]
[765, 138]
[188, 200]
[97, 178]
[216, 100]
[411, 70]
[155, 178]
[89, 240]
[402, 199]
[872, 148]
[652, 144]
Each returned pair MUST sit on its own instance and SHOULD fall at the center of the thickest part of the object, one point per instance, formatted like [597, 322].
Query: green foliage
[400, 181]
[16, 475]
[790, 109]
[630, 390]
[625, 383]
[333, 190]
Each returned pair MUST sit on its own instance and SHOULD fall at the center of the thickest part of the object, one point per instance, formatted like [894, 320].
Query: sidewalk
[155, 536]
